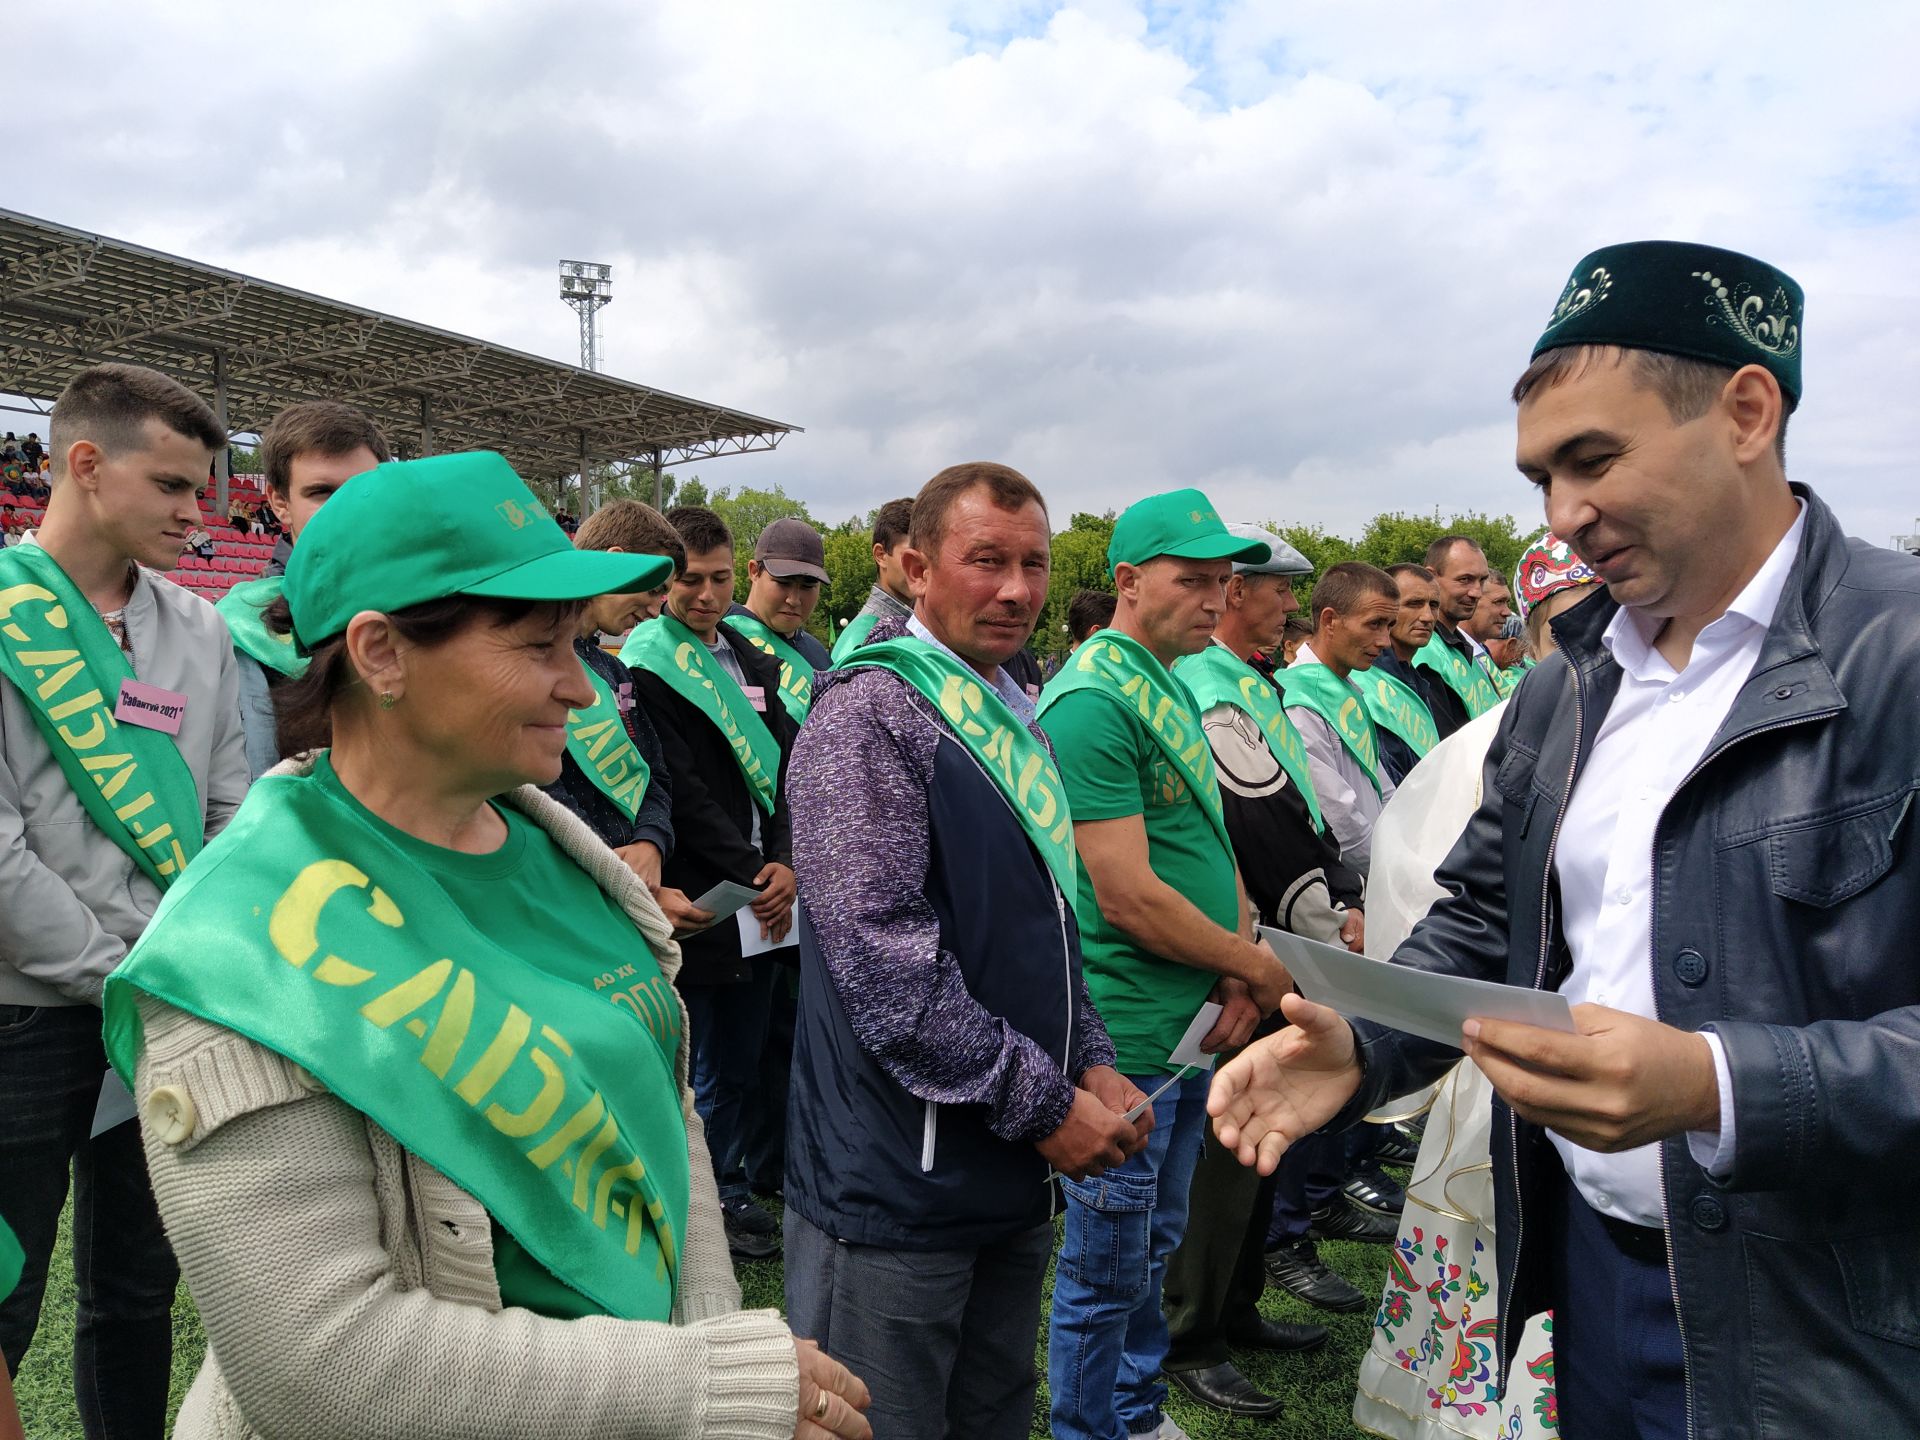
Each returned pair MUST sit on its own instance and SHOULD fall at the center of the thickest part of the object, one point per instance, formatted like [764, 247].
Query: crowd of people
[487, 920]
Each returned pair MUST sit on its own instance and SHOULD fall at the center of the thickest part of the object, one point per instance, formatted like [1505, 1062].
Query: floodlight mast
[586, 287]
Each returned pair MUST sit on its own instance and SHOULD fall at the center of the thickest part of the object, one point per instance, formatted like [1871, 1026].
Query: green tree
[851, 574]
[691, 493]
[1079, 563]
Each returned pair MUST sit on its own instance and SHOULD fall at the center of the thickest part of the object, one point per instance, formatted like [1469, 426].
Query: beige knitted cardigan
[347, 1288]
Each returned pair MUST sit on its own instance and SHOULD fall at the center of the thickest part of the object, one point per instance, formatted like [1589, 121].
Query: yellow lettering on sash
[73, 706]
[13, 595]
[583, 1170]
[55, 682]
[294, 927]
[157, 834]
[553, 1086]
[640, 1013]
[497, 1058]
[409, 995]
[46, 657]
[633, 1171]
[132, 807]
[96, 731]
[111, 788]
[582, 1120]
[450, 1028]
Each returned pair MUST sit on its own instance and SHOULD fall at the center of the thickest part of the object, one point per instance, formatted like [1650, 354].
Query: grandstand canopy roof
[69, 299]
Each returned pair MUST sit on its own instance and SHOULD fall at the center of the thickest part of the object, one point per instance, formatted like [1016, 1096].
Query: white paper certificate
[1431, 1006]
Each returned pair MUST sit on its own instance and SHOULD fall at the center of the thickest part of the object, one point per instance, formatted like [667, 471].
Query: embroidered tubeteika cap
[1683, 299]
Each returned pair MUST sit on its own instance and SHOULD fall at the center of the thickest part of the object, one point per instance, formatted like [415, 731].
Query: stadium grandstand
[69, 299]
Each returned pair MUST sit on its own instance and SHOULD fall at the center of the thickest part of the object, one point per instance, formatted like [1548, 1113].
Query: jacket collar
[1791, 679]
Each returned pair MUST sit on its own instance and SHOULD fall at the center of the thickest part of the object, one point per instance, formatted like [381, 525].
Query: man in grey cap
[784, 577]
[1295, 881]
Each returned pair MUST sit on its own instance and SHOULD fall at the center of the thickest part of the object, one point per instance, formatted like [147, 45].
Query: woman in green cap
[410, 1065]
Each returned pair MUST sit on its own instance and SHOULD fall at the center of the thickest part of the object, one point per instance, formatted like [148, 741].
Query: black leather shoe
[1344, 1220]
[1224, 1388]
[1280, 1335]
[1371, 1190]
[1299, 1270]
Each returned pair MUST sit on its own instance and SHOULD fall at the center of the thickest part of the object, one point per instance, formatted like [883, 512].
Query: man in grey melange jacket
[131, 451]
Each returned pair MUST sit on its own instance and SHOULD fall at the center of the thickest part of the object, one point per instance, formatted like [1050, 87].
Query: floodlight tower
[586, 287]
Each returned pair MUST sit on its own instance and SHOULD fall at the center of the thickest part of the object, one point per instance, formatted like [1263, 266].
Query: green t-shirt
[1113, 768]
[516, 895]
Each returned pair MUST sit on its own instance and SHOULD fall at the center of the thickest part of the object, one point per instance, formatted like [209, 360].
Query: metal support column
[659, 485]
[426, 426]
[586, 496]
[220, 475]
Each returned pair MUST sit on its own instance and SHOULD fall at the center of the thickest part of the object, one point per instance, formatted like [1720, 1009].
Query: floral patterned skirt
[1429, 1370]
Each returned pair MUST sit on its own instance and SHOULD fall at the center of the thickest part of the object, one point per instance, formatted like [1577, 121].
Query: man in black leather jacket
[1771, 1075]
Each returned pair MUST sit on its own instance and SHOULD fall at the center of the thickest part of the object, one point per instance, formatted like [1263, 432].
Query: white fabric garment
[1656, 731]
[1348, 802]
[1428, 1372]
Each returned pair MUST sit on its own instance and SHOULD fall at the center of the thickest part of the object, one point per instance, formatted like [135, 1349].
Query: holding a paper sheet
[1696, 827]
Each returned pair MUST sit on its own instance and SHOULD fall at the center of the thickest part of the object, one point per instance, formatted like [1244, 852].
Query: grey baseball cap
[792, 547]
[1285, 560]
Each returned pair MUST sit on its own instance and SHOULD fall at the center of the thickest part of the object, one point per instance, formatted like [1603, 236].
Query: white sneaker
[1167, 1431]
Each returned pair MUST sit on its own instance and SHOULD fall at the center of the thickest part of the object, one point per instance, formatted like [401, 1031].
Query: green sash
[1505, 680]
[853, 636]
[796, 675]
[1005, 748]
[1339, 703]
[597, 740]
[1466, 678]
[244, 608]
[12, 1261]
[667, 648]
[1217, 676]
[548, 1102]
[1395, 707]
[1119, 666]
[59, 654]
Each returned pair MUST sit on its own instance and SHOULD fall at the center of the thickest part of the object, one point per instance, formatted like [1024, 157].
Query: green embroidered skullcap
[417, 530]
[1180, 522]
[1681, 299]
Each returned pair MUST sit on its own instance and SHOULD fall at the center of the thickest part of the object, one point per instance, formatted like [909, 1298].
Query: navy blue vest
[854, 1135]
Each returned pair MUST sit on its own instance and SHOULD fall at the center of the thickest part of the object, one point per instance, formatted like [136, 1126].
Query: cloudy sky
[1293, 252]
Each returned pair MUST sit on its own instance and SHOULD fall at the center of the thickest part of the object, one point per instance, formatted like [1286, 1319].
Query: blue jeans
[1108, 1337]
[726, 1031]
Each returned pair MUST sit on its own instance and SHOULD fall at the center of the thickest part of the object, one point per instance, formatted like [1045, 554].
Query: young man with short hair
[1165, 928]
[890, 598]
[784, 580]
[120, 754]
[308, 451]
[726, 736]
[1354, 607]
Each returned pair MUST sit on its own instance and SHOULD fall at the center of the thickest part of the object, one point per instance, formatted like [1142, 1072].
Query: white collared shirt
[1347, 798]
[1656, 731]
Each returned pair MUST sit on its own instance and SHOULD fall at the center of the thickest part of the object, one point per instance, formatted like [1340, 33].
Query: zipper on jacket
[1066, 966]
[1653, 949]
[1539, 980]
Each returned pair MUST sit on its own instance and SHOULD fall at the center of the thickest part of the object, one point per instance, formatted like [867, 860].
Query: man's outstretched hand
[1282, 1089]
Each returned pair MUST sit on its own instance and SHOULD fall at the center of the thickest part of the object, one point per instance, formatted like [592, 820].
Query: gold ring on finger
[820, 1406]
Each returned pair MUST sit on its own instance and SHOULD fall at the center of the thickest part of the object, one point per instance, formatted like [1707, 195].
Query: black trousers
[51, 1064]
[1214, 1280]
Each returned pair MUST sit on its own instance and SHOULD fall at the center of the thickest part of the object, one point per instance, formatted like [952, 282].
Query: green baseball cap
[1180, 522]
[417, 530]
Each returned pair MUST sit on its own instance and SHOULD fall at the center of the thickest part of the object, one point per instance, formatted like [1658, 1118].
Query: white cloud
[1291, 252]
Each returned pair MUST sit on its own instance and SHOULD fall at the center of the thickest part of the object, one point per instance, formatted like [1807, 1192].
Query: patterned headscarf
[1548, 567]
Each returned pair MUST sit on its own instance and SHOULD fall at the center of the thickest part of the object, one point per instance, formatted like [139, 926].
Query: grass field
[1319, 1386]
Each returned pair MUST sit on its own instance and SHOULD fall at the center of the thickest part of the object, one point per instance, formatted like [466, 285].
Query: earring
[387, 702]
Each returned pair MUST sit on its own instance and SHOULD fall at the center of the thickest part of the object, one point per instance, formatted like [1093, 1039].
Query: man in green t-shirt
[1164, 927]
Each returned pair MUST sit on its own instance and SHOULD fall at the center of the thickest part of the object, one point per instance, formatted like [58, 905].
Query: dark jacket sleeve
[1465, 933]
[655, 820]
[700, 824]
